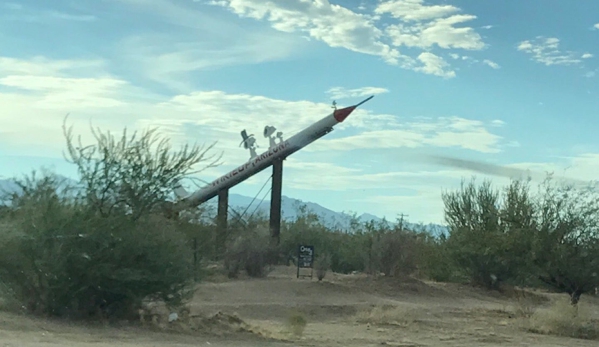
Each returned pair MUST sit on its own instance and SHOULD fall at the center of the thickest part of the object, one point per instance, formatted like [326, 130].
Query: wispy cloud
[339, 93]
[442, 132]
[332, 24]
[413, 25]
[197, 41]
[491, 63]
[545, 50]
[73, 17]
[20, 12]
[423, 202]
[168, 60]
[470, 60]
[12, 6]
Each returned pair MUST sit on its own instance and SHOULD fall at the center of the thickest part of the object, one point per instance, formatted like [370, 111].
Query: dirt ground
[343, 310]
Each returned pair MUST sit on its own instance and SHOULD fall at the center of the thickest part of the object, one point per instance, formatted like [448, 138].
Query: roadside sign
[305, 259]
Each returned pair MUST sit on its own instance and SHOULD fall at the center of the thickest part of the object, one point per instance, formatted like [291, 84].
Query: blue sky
[511, 83]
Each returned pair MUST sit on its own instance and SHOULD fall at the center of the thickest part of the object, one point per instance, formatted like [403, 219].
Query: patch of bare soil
[342, 310]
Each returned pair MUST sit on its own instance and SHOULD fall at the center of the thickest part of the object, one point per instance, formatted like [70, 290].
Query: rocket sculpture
[259, 162]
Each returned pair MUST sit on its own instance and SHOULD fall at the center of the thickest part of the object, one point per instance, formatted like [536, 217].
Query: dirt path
[342, 311]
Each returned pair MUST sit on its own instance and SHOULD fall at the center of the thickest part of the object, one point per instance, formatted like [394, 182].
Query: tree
[476, 240]
[133, 174]
[105, 248]
[551, 237]
[565, 247]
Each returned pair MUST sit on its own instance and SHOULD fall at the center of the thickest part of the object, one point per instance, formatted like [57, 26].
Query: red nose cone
[341, 114]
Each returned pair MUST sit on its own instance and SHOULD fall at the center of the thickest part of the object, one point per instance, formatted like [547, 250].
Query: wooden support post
[222, 222]
[275, 200]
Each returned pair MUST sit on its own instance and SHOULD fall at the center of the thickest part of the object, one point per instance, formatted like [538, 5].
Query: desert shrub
[104, 245]
[550, 238]
[437, 263]
[297, 323]
[322, 265]
[60, 258]
[135, 173]
[565, 243]
[250, 250]
[564, 319]
[395, 252]
[488, 237]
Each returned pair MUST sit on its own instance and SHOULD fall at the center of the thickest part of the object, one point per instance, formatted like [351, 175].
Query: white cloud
[415, 10]
[421, 26]
[78, 93]
[491, 63]
[434, 65]
[42, 66]
[56, 84]
[442, 132]
[546, 51]
[43, 91]
[38, 93]
[332, 24]
[424, 26]
[586, 56]
[596, 26]
[339, 93]
[497, 123]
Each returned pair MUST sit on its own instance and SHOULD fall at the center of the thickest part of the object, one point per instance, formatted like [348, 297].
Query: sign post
[305, 259]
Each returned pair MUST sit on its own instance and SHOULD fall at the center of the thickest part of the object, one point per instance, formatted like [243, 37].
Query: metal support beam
[222, 222]
[275, 200]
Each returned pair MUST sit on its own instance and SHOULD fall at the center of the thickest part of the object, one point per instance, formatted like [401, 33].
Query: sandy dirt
[342, 310]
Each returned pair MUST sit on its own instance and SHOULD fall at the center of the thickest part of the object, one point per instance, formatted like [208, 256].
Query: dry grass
[297, 323]
[524, 304]
[563, 319]
[389, 315]
[348, 311]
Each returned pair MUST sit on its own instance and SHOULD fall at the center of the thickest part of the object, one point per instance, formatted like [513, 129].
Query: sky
[511, 83]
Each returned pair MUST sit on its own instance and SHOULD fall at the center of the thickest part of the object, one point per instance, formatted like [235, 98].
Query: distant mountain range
[290, 209]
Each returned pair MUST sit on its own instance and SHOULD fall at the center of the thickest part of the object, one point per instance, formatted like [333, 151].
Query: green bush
[60, 258]
[395, 252]
[478, 241]
[250, 250]
[437, 263]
